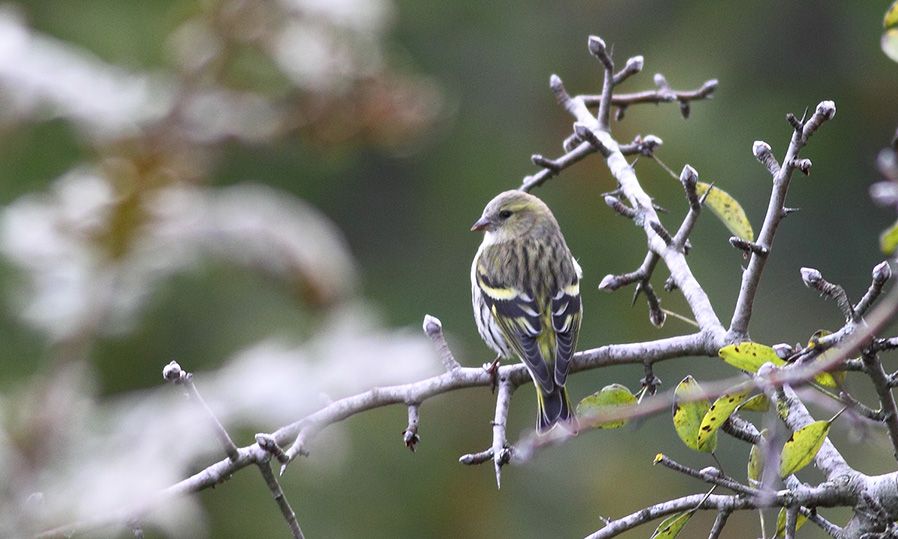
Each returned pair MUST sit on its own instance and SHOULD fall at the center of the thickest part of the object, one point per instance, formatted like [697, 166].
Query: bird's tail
[554, 407]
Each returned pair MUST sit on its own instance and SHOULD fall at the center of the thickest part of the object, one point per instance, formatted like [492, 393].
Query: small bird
[525, 288]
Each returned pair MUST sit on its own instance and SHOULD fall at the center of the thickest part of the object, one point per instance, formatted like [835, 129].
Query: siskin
[526, 296]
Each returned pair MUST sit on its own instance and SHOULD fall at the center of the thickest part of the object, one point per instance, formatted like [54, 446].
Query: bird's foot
[492, 368]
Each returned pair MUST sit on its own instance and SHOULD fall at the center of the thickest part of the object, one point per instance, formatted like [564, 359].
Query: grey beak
[480, 224]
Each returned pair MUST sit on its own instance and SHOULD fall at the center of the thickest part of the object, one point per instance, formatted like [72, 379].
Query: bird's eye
[504, 214]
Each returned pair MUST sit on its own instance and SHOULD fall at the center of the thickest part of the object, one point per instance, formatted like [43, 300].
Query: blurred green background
[406, 214]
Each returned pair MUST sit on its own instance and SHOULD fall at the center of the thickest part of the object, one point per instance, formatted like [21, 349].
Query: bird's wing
[518, 315]
[566, 314]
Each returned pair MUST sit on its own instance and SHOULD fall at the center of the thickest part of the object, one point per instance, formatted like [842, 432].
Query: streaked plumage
[526, 296]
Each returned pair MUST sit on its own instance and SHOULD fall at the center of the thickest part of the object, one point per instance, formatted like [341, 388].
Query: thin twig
[709, 475]
[279, 497]
[751, 277]
[886, 399]
[655, 96]
[719, 523]
[174, 373]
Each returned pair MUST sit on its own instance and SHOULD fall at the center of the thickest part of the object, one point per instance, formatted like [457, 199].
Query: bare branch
[500, 449]
[647, 514]
[410, 434]
[881, 275]
[775, 212]
[173, 373]
[719, 523]
[656, 96]
[269, 444]
[709, 475]
[812, 278]
[279, 497]
[597, 48]
[434, 329]
[881, 383]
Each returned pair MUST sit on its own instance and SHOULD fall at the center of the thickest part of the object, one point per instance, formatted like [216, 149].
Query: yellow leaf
[749, 356]
[828, 380]
[891, 17]
[832, 380]
[756, 462]
[888, 240]
[801, 448]
[758, 403]
[610, 397]
[727, 209]
[719, 412]
[781, 523]
[688, 411]
[671, 526]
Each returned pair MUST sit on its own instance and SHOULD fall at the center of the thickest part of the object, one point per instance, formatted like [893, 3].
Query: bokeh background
[160, 166]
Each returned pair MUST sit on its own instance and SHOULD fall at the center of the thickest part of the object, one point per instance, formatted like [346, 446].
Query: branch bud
[783, 350]
[544, 162]
[826, 109]
[608, 283]
[764, 155]
[635, 64]
[561, 95]
[811, 277]
[689, 177]
[172, 372]
[804, 165]
[882, 273]
[432, 325]
[596, 45]
[652, 141]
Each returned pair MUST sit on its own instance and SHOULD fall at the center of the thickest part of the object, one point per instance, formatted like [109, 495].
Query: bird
[525, 290]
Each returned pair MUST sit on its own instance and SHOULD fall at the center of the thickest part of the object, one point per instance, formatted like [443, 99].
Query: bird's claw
[492, 368]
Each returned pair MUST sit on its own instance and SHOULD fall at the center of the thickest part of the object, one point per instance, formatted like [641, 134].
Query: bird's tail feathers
[554, 408]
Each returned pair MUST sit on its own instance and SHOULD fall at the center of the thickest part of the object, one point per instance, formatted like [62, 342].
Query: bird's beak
[480, 225]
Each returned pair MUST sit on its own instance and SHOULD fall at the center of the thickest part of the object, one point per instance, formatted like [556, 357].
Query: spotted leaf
[801, 448]
[727, 209]
[689, 409]
[719, 412]
[749, 356]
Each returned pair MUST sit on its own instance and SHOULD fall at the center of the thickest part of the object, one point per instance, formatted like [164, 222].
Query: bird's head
[513, 214]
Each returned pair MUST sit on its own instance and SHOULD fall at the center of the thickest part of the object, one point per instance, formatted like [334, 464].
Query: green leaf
[688, 411]
[888, 240]
[891, 18]
[801, 448]
[758, 403]
[610, 396]
[749, 356]
[727, 209]
[671, 526]
[781, 523]
[719, 412]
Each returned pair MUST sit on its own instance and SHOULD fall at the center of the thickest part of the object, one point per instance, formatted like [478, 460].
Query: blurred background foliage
[160, 168]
